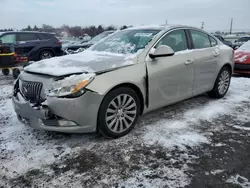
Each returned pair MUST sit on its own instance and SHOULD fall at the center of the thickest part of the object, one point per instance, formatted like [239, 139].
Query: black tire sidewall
[101, 123]
[44, 51]
[5, 72]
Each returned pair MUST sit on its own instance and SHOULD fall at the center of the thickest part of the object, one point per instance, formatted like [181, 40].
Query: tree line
[71, 31]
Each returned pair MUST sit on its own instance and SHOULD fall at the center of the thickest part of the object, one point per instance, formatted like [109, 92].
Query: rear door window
[45, 36]
[200, 39]
[8, 38]
[27, 37]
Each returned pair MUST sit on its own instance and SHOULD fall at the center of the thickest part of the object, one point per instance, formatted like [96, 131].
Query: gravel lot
[198, 143]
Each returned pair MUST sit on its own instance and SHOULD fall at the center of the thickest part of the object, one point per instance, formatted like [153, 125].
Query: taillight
[59, 42]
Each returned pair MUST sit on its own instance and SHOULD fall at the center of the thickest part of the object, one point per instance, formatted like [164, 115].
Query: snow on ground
[23, 148]
[156, 154]
[29, 152]
[181, 132]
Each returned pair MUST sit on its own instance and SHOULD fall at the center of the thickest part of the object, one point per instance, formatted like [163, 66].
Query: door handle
[216, 54]
[188, 62]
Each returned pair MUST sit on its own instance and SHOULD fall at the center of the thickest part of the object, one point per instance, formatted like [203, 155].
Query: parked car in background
[237, 43]
[134, 71]
[242, 59]
[228, 43]
[231, 38]
[33, 45]
[76, 48]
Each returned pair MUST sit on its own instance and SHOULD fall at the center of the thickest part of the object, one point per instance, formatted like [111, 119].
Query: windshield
[8, 38]
[126, 41]
[99, 37]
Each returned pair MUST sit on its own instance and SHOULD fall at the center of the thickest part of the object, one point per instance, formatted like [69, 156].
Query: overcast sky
[215, 13]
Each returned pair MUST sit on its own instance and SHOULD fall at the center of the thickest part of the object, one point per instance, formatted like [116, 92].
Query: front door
[171, 78]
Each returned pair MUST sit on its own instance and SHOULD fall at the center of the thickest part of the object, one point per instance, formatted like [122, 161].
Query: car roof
[161, 27]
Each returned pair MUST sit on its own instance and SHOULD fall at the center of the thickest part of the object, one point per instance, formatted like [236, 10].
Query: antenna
[231, 26]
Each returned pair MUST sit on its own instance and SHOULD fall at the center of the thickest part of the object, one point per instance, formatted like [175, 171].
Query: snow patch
[70, 64]
[241, 59]
[239, 180]
[219, 145]
[242, 128]
[175, 178]
[173, 133]
[215, 172]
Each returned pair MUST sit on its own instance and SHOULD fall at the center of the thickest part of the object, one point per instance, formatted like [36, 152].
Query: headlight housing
[72, 86]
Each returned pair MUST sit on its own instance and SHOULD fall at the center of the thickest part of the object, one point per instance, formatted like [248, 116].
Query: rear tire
[45, 55]
[222, 83]
[118, 113]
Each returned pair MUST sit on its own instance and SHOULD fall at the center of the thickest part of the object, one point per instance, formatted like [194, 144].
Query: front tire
[119, 112]
[15, 72]
[222, 83]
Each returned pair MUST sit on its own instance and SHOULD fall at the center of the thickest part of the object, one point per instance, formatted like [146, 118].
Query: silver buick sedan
[133, 71]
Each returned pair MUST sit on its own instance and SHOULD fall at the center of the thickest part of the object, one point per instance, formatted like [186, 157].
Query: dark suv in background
[34, 45]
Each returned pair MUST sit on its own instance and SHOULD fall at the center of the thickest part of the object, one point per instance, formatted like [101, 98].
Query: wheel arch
[133, 87]
[228, 65]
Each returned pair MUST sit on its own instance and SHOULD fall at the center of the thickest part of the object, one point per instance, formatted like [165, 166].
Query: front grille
[245, 67]
[32, 91]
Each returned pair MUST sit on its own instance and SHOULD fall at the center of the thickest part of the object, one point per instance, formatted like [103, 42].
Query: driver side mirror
[162, 51]
[1, 42]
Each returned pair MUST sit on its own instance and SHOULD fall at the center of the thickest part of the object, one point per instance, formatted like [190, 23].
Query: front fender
[133, 74]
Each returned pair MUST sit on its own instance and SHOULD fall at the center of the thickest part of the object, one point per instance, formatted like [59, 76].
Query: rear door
[207, 56]
[25, 43]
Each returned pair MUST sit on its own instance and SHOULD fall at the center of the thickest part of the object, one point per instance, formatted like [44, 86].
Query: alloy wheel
[223, 83]
[46, 55]
[121, 113]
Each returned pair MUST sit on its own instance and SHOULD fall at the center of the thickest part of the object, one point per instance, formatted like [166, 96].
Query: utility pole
[202, 25]
[166, 22]
[231, 26]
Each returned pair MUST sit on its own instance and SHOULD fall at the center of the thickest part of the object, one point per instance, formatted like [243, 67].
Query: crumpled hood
[86, 61]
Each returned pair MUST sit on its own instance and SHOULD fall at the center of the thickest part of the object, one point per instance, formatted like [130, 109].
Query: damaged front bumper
[74, 115]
